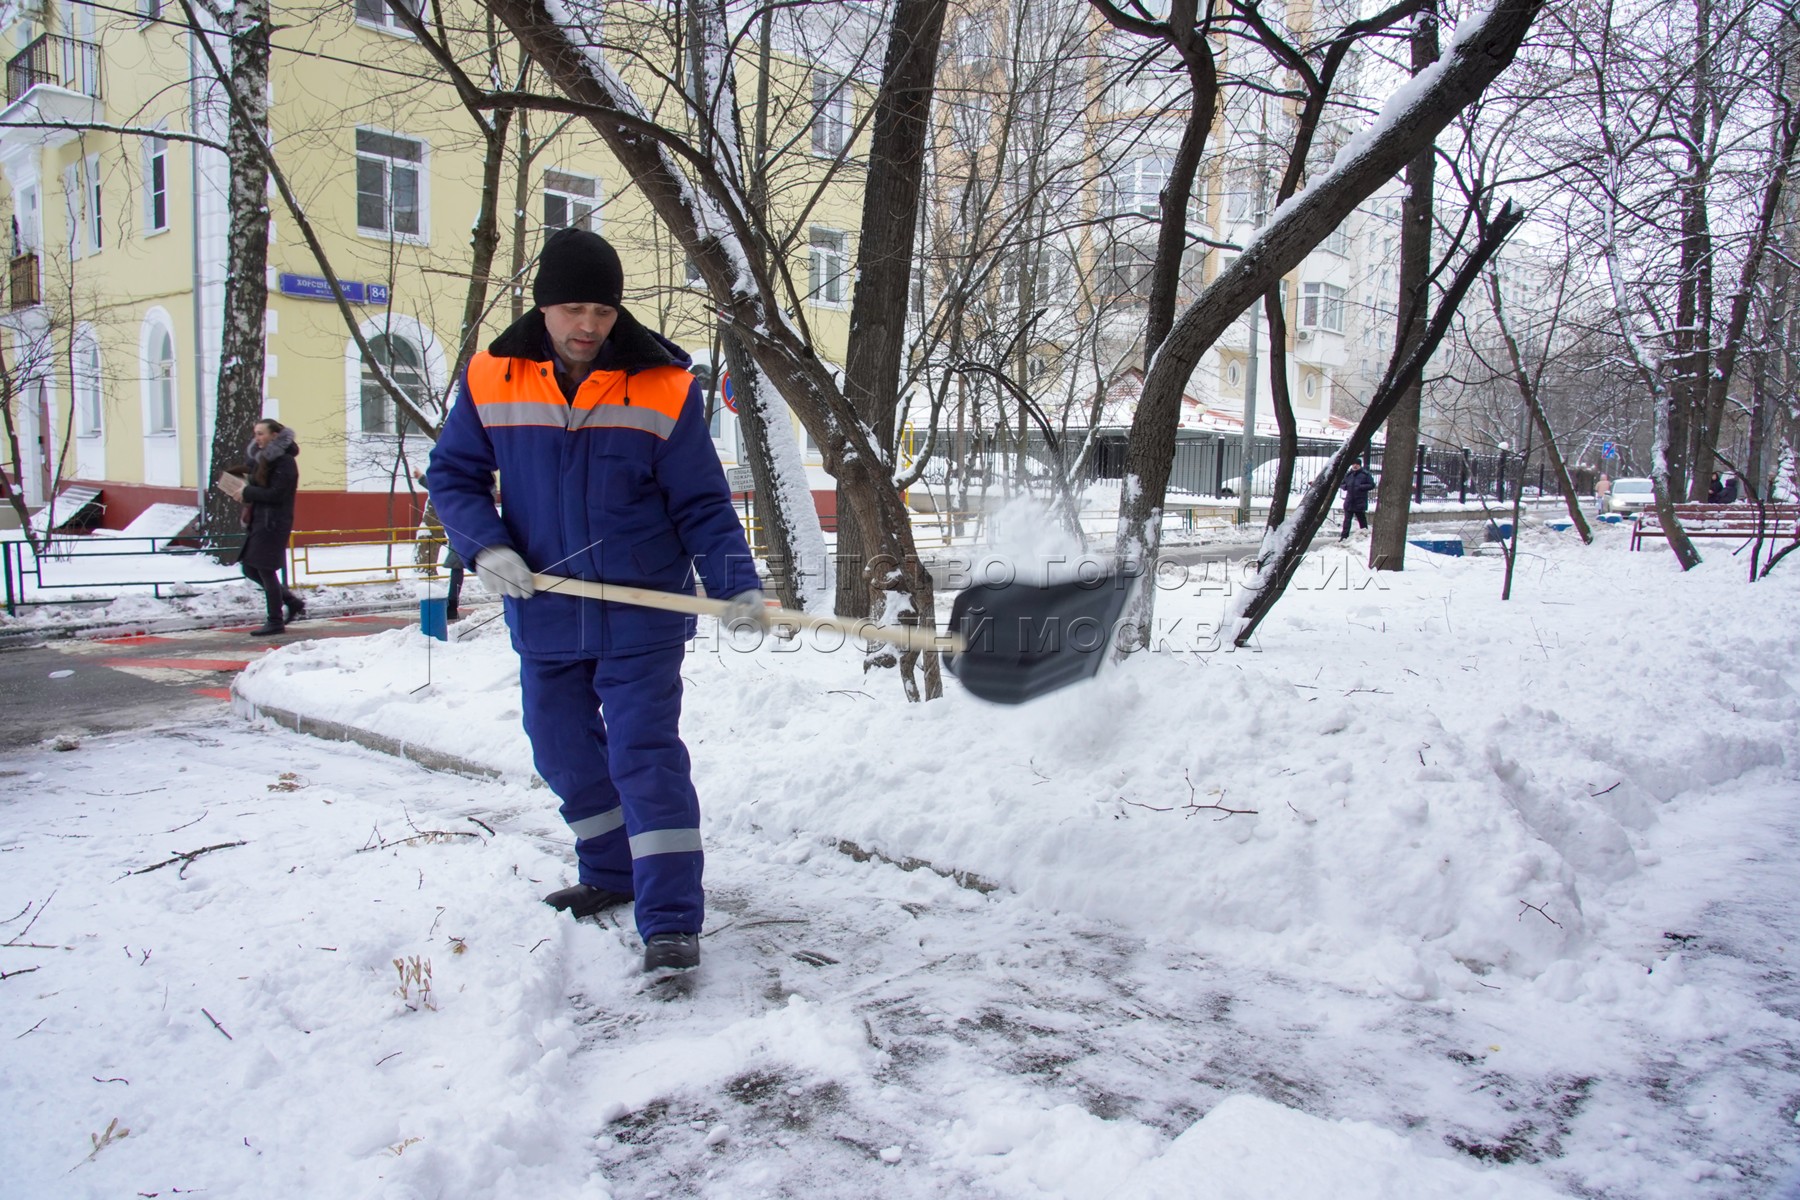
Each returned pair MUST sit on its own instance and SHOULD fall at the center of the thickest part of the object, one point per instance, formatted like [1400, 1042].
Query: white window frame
[156, 161]
[1322, 307]
[566, 187]
[828, 267]
[162, 378]
[1137, 185]
[391, 165]
[28, 222]
[96, 212]
[390, 414]
[831, 114]
[90, 414]
[375, 14]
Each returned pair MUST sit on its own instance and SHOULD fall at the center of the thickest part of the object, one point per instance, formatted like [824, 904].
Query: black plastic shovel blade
[1023, 640]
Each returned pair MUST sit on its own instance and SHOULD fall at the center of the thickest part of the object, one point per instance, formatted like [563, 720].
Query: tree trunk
[243, 340]
[884, 256]
[1285, 425]
[1528, 393]
[1393, 498]
[794, 544]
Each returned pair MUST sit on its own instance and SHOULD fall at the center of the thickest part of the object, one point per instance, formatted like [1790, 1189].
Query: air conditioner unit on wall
[1303, 335]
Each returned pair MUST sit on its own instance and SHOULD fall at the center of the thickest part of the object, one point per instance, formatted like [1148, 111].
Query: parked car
[1630, 495]
[1432, 488]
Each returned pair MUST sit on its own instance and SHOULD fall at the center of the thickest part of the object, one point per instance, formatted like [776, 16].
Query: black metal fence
[91, 566]
[1211, 463]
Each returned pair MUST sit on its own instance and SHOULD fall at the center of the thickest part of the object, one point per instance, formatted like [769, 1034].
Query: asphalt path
[69, 689]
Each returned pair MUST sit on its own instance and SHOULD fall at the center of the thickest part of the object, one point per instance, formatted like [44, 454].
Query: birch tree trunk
[794, 542]
[243, 342]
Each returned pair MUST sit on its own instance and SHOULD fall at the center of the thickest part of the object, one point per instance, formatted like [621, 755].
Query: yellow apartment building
[118, 245]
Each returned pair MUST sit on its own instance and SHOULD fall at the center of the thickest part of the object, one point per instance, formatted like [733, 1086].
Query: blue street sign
[726, 392]
[316, 287]
[1609, 450]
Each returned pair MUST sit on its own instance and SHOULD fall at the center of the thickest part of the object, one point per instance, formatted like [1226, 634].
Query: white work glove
[747, 608]
[504, 573]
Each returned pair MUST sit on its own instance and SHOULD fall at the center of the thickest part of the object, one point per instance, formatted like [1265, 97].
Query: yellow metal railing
[400, 552]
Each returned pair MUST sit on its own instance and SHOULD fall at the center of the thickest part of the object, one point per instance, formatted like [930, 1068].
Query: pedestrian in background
[1715, 491]
[1602, 492]
[1356, 488]
[1729, 493]
[271, 480]
[598, 432]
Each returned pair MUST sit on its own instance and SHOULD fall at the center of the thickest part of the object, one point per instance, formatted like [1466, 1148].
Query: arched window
[162, 381]
[88, 412]
[403, 362]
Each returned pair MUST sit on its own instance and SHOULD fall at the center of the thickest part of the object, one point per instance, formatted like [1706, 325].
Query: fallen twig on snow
[185, 858]
[17, 938]
[216, 1025]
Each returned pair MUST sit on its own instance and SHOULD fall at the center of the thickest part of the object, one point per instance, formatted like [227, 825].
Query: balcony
[22, 290]
[54, 61]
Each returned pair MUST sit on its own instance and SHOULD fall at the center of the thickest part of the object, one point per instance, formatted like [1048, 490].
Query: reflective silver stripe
[523, 412]
[594, 826]
[624, 416]
[665, 841]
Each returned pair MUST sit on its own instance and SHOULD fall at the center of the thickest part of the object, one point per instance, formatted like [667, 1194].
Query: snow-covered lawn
[1427, 895]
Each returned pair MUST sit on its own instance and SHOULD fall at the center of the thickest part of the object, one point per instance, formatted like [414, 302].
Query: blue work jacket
[618, 484]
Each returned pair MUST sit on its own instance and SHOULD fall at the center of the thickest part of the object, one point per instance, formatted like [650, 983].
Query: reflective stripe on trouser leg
[568, 747]
[640, 700]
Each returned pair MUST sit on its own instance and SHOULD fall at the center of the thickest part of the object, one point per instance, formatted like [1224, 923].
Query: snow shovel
[1008, 642]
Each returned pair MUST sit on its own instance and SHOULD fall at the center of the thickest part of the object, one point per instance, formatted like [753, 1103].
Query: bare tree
[1401, 131]
[1276, 570]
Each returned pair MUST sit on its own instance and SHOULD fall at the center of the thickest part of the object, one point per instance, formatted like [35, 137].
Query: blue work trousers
[605, 735]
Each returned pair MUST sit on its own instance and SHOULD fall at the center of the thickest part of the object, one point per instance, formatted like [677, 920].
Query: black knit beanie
[578, 267]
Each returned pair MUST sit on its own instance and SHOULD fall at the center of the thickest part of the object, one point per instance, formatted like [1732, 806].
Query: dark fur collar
[282, 443]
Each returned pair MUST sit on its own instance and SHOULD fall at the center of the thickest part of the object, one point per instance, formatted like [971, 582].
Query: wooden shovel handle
[906, 637]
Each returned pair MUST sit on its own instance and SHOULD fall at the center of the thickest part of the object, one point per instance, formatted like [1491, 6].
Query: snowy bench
[1735, 521]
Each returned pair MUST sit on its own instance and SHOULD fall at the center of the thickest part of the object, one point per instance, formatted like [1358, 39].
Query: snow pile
[1407, 787]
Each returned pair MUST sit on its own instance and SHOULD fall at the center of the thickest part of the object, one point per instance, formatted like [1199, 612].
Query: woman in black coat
[271, 478]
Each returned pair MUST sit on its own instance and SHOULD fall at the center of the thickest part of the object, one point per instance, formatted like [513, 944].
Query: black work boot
[671, 951]
[584, 900]
[269, 628]
[294, 606]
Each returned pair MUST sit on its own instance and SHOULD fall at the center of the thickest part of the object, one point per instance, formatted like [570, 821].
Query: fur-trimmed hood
[282, 443]
[630, 347]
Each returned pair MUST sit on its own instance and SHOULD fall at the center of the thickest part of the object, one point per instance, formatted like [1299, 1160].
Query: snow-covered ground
[1425, 895]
